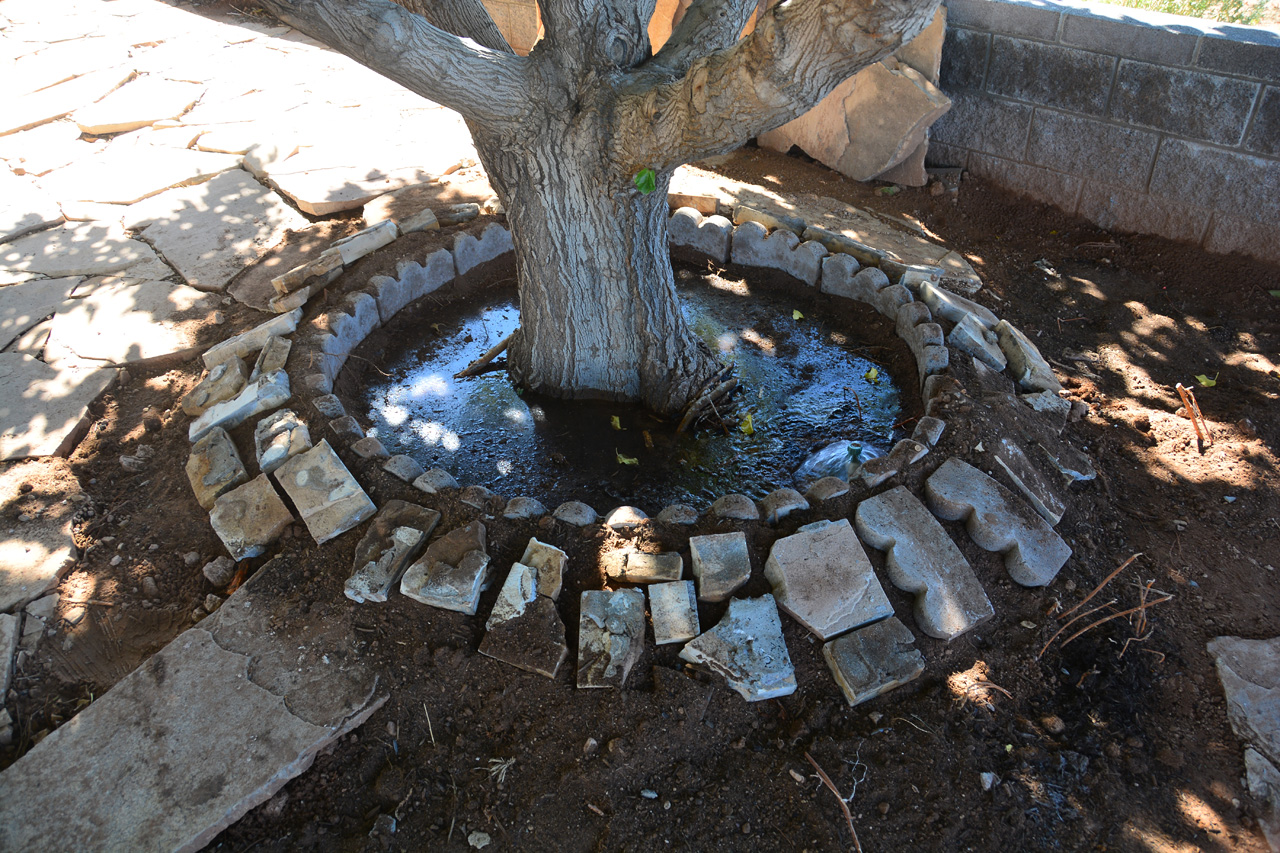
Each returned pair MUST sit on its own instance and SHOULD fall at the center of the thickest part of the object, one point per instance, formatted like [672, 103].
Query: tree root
[720, 387]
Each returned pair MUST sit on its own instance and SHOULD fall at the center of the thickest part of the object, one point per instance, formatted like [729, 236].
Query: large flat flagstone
[43, 408]
[34, 554]
[24, 304]
[210, 727]
[127, 171]
[52, 103]
[117, 321]
[213, 231]
[84, 248]
[42, 149]
[24, 207]
[138, 103]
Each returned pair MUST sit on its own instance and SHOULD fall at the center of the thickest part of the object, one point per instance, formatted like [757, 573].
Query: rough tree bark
[564, 131]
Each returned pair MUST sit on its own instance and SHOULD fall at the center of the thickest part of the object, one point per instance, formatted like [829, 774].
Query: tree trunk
[599, 315]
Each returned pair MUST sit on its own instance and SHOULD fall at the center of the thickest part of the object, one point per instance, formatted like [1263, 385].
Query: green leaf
[796, 315]
[746, 425]
[625, 460]
[1206, 381]
[614, 422]
[646, 181]
[887, 191]
[872, 375]
[1275, 293]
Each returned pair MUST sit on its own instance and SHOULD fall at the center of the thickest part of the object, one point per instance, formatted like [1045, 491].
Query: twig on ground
[1193, 412]
[476, 367]
[1140, 607]
[1058, 633]
[430, 730]
[1099, 587]
[844, 806]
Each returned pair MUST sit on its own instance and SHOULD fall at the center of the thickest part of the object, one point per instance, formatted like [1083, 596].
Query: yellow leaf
[796, 315]
[872, 375]
[1206, 381]
[746, 426]
[625, 460]
[615, 423]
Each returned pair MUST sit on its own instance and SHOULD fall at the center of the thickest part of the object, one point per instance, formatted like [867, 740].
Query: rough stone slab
[327, 497]
[997, 521]
[1025, 362]
[247, 343]
[347, 427]
[403, 467]
[24, 207]
[576, 513]
[40, 107]
[739, 507]
[610, 636]
[435, 481]
[466, 186]
[954, 307]
[780, 503]
[214, 467]
[329, 406]
[638, 567]
[923, 560]
[625, 518]
[770, 220]
[44, 408]
[518, 592]
[267, 393]
[369, 447]
[550, 563]
[678, 514]
[826, 488]
[249, 518]
[171, 713]
[1250, 675]
[721, 564]
[523, 507]
[822, 577]
[706, 205]
[138, 103]
[674, 608]
[453, 571]
[754, 246]
[121, 321]
[35, 554]
[77, 248]
[748, 649]
[297, 246]
[413, 281]
[1264, 785]
[470, 252]
[708, 236]
[128, 170]
[969, 337]
[332, 189]
[273, 356]
[394, 539]
[279, 437]
[1029, 480]
[525, 629]
[10, 631]
[223, 382]
[873, 660]
[27, 303]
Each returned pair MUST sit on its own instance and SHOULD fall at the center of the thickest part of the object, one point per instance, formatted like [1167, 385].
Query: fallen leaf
[1275, 293]
[625, 460]
[646, 181]
[746, 425]
[648, 439]
[796, 315]
[1206, 381]
[614, 422]
[872, 375]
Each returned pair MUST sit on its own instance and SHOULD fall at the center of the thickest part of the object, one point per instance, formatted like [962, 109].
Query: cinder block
[1018, 19]
[1117, 30]
[1258, 56]
[1092, 149]
[964, 59]
[1264, 133]
[1198, 174]
[982, 123]
[1117, 209]
[1050, 75]
[1046, 185]
[1176, 100]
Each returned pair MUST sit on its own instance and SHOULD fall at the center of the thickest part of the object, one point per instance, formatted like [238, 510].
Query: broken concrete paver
[43, 407]
[278, 438]
[517, 592]
[637, 567]
[721, 564]
[997, 521]
[452, 572]
[550, 563]
[873, 660]
[223, 382]
[1025, 361]
[525, 629]
[403, 468]
[327, 497]
[248, 343]
[923, 560]
[610, 636]
[268, 392]
[214, 467]
[822, 577]
[826, 488]
[748, 649]
[674, 607]
[249, 518]
[1034, 484]
[273, 356]
[393, 541]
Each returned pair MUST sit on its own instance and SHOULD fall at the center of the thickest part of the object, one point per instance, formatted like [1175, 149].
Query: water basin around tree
[807, 384]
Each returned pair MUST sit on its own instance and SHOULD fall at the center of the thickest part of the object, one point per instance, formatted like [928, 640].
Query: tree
[564, 132]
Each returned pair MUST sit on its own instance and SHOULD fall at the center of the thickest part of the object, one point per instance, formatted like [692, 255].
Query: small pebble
[191, 558]
[218, 318]
[212, 602]
[117, 560]
[649, 794]
[883, 808]
[149, 588]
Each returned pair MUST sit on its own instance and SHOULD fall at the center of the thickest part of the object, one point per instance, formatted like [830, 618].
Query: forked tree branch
[480, 83]
[799, 51]
[466, 18]
[709, 25]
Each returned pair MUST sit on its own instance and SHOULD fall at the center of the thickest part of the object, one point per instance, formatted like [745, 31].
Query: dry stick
[1193, 412]
[844, 807]
[474, 368]
[1058, 633]
[1116, 615]
[1099, 587]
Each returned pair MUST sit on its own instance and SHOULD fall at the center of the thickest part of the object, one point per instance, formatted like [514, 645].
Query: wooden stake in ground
[477, 367]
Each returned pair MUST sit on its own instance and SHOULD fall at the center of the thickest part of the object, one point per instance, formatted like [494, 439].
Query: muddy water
[807, 385]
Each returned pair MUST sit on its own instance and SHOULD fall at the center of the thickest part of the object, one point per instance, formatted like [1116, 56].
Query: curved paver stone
[523, 507]
[214, 467]
[525, 629]
[1034, 485]
[709, 236]
[997, 521]
[249, 518]
[754, 246]
[748, 649]
[721, 564]
[453, 571]
[470, 252]
[954, 307]
[434, 481]
[780, 503]
[826, 488]
[678, 514]
[822, 577]
[393, 540]
[739, 507]
[347, 427]
[327, 497]
[43, 407]
[550, 563]
[478, 497]
[266, 393]
[610, 636]
[923, 560]
[403, 467]
[1025, 361]
[625, 518]
[873, 660]
[369, 447]
[576, 513]
[674, 607]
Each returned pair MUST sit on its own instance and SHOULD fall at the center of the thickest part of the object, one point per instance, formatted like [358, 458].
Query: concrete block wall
[1137, 121]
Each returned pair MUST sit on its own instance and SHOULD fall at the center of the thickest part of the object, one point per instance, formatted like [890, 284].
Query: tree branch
[709, 25]
[799, 51]
[481, 83]
[466, 18]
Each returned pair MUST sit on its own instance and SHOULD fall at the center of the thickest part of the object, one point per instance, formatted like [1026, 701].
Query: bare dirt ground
[1116, 741]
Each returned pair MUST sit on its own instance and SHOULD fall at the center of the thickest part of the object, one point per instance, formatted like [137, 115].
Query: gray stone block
[469, 252]
[575, 513]
[1250, 675]
[223, 382]
[249, 518]
[1118, 31]
[822, 577]
[997, 521]
[720, 563]
[267, 393]
[317, 383]
[970, 337]
[369, 447]
[707, 236]
[479, 497]
[1035, 182]
[1117, 209]
[923, 560]
[625, 518]
[404, 468]
[1019, 19]
[1050, 75]
[325, 494]
[780, 503]
[748, 649]
[928, 430]
[826, 489]
[678, 514]
[550, 562]
[525, 629]
[1026, 364]
[522, 507]
[1251, 52]
[610, 636]
[1264, 132]
[952, 306]
[1093, 149]
[278, 437]
[1054, 408]
[674, 607]
[904, 453]
[1196, 174]
[394, 539]
[347, 428]
[452, 572]
[735, 506]
[214, 467]
[1173, 100]
[435, 481]
[873, 660]
[754, 246]
[637, 567]
[1034, 485]
[964, 59]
